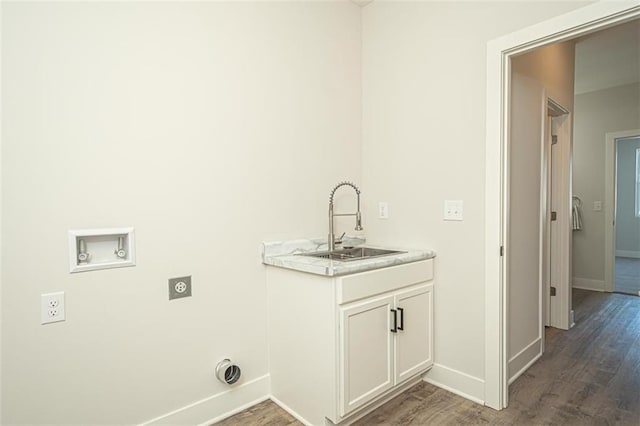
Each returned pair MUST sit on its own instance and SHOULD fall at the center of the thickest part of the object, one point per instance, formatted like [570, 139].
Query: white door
[558, 249]
[366, 367]
[553, 251]
[414, 347]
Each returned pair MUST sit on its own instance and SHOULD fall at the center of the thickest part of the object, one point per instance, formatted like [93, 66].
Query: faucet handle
[339, 240]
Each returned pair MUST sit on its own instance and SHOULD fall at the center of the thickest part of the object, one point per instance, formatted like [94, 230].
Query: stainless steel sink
[352, 253]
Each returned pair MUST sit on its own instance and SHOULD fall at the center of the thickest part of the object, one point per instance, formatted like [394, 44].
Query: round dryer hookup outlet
[227, 372]
[180, 287]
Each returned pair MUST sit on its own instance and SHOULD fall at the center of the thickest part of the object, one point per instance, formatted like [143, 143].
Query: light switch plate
[453, 210]
[383, 210]
[179, 287]
[597, 206]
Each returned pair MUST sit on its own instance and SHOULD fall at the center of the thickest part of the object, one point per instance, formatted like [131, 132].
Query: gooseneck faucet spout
[332, 238]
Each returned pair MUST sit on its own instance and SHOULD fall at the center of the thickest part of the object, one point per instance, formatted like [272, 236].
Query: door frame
[611, 147]
[574, 24]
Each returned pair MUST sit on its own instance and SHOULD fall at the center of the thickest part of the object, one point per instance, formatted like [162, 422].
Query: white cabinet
[414, 342]
[384, 341]
[338, 346]
[367, 352]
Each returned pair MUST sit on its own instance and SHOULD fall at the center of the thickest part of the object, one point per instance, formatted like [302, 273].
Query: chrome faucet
[332, 237]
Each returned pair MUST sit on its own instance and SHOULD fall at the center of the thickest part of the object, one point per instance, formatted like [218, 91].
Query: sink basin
[352, 253]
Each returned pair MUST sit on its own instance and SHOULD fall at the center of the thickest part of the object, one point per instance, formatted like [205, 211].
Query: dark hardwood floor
[589, 375]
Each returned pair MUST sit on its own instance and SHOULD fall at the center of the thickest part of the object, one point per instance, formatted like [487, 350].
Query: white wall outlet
[383, 210]
[453, 209]
[52, 307]
[597, 206]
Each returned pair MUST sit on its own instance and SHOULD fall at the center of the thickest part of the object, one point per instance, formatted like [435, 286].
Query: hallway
[588, 375]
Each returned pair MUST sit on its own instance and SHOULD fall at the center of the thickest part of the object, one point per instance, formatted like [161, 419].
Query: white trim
[610, 204]
[628, 253]
[588, 284]
[1, 210]
[525, 358]
[573, 24]
[228, 403]
[572, 319]
[289, 410]
[360, 412]
[457, 382]
[637, 188]
[494, 238]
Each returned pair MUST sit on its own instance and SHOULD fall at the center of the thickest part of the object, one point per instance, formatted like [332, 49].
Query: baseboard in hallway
[588, 284]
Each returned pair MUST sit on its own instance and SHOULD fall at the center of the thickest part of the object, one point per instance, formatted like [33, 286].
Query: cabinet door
[366, 352]
[414, 343]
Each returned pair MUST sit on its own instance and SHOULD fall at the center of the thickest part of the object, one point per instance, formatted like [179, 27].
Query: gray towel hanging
[576, 216]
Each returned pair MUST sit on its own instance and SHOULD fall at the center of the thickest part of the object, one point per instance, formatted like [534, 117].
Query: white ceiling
[608, 58]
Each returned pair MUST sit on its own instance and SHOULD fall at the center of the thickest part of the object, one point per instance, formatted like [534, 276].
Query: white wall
[627, 223]
[553, 67]
[424, 88]
[542, 73]
[596, 113]
[209, 127]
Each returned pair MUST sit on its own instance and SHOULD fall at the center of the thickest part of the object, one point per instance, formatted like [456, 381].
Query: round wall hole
[232, 374]
[227, 372]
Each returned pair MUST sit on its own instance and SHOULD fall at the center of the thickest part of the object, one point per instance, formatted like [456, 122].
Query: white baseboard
[455, 381]
[380, 402]
[588, 284]
[360, 412]
[628, 253]
[220, 406]
[521, 362]
[289, 410]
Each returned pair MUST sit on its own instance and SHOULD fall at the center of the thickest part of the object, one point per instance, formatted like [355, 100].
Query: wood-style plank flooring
[589, 375]
[627, 275]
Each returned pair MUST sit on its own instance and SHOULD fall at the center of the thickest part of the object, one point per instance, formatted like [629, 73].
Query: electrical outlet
[453, 209]
[179, 287]
[52, 307]
[597, 206]
[383, 210]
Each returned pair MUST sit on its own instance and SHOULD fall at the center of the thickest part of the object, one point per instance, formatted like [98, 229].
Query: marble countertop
[286, 254]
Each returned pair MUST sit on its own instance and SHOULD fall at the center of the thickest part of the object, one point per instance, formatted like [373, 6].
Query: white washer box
[105, 248]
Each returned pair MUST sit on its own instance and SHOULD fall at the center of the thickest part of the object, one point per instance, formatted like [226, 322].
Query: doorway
[537, 263]
[622, 227]
[499, 53]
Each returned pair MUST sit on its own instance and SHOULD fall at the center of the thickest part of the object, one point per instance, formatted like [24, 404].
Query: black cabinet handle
[395, 321]
[401, 326]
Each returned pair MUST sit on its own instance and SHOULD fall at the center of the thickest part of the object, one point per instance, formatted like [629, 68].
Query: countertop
[285, 254]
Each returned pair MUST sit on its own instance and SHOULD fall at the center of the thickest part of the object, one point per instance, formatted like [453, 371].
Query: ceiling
[608, 58]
